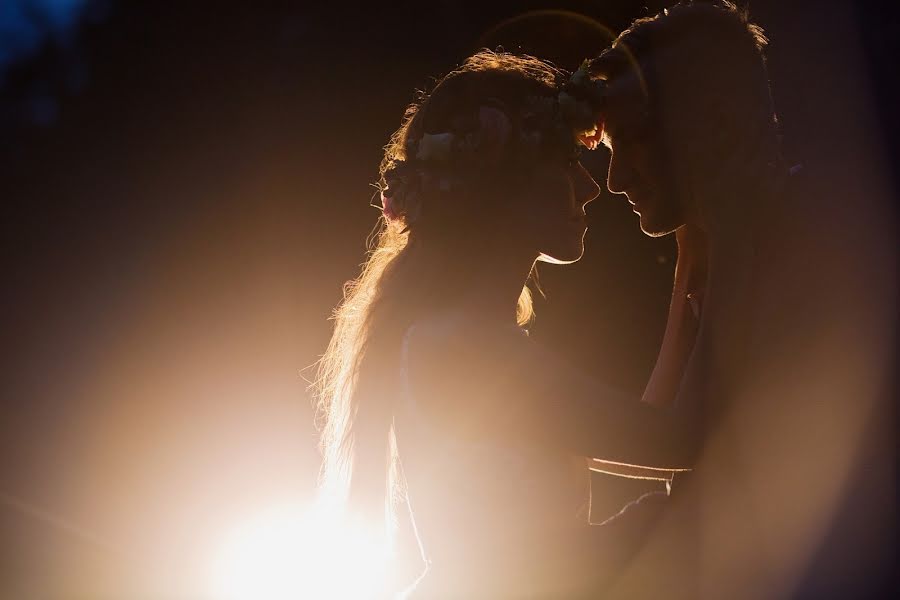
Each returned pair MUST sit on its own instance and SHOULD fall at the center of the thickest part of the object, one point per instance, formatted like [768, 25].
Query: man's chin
[657, 228]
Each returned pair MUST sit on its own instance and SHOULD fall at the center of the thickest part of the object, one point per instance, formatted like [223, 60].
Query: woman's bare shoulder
[489, 380]
[455, 332]
[456, 360]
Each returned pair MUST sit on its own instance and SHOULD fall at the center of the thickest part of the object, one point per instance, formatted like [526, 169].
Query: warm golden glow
[288, 552]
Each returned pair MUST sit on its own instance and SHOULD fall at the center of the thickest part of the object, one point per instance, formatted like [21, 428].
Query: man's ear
[723, 130]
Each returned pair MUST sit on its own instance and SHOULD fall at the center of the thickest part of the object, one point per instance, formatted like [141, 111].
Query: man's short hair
[719, 48]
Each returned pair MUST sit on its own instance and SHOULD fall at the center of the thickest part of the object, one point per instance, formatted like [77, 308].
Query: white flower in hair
[435, 146]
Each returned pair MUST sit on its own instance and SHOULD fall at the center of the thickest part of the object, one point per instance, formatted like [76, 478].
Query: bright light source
[289, 554]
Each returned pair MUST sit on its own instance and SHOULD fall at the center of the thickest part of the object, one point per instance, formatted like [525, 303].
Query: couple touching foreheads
[434, 399]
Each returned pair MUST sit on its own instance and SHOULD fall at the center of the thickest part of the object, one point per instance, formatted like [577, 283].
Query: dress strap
[406, 399]
[407, 408]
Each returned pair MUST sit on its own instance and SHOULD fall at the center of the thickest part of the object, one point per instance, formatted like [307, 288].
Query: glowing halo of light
[587, 22]
[288, 552]
[575, 17]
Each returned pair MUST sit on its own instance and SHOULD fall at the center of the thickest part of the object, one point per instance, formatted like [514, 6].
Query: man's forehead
[625, 96]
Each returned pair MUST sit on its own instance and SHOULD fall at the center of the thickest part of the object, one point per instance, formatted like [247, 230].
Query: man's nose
[586, 189]
[619, 177]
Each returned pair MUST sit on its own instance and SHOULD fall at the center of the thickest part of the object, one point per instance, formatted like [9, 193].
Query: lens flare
[289, 552]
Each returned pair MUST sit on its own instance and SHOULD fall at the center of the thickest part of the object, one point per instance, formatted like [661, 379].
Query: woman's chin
[566, 257]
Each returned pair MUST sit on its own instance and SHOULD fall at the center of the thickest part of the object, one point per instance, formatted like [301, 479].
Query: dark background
[186, 187]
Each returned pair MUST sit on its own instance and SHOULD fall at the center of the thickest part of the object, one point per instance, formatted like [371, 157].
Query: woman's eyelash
[606, 140]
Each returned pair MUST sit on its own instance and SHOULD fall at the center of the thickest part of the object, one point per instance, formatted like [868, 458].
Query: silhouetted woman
[431, 391]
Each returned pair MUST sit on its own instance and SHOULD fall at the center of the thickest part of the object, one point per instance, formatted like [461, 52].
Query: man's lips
[636, 196]
[579, 219]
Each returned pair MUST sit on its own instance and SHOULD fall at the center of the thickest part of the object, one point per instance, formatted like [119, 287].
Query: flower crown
[563, 124]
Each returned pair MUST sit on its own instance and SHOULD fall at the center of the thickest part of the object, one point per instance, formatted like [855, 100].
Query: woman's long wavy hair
[412, 268]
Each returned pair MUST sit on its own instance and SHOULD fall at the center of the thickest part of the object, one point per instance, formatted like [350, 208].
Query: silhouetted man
[694, 146]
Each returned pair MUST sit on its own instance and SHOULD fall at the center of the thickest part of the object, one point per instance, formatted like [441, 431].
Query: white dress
[478, 504]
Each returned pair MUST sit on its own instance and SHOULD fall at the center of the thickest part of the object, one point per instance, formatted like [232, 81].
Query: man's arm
[684, 318]
[678, 342]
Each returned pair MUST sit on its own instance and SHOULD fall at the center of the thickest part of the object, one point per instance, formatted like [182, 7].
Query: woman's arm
[607, 467]
[491, 382]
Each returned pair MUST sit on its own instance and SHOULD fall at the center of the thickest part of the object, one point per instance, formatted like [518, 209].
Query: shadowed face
[555, 217]
[637, 165]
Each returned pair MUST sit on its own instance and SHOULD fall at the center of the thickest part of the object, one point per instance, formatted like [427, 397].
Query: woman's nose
[586, 189]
